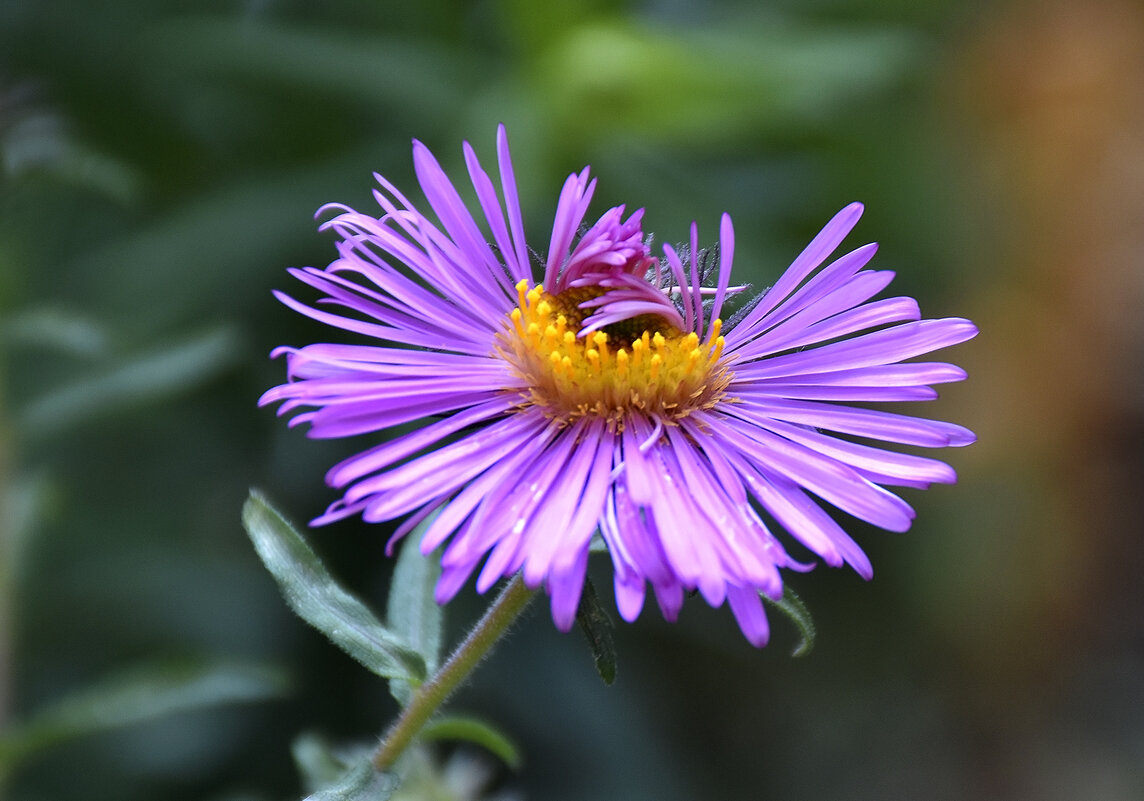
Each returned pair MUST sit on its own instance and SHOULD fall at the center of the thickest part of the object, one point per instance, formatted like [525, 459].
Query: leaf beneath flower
[412, 612]
[318, 599]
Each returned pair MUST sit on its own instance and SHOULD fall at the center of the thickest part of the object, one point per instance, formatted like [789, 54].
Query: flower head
[608, 397]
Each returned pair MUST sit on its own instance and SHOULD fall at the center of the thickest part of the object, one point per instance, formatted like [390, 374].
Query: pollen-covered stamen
[641, 363]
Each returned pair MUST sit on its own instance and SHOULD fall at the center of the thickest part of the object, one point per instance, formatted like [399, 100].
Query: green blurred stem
[430, 695]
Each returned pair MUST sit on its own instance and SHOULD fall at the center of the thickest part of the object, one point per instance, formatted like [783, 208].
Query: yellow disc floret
[640, 364]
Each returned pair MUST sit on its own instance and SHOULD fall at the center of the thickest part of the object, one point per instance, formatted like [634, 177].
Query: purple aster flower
[608, 398]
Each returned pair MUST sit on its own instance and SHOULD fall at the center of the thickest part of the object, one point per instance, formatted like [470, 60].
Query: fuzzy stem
[430, 695]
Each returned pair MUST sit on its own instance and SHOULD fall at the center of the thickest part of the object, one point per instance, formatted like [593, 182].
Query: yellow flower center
[640, 364]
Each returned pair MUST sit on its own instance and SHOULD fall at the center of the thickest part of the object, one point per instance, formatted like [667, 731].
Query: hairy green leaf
[318, 599]
[412, 612]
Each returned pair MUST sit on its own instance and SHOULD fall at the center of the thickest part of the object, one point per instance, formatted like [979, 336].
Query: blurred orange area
[1050, 98]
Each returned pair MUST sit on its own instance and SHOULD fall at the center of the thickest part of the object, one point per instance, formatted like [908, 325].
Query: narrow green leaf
[597, 627]
[361, 783]
[474, 730]
[797, 612]
[412, 613]
[318, 599]
[137, 696]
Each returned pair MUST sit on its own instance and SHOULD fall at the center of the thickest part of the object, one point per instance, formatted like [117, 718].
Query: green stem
[430, 695]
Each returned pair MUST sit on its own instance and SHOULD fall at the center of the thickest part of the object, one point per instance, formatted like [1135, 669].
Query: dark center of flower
[620, 334]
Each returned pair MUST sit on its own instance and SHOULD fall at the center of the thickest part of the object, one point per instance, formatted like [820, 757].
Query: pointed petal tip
[563, 615]
[726, 231]
[391, 544]
[898, 524]
[630, 596]
[961, 437]
[960, 330]
[758, 639]
[442, 595]
[486, 580]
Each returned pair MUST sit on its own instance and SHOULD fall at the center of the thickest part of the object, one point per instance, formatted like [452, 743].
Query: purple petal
[481, 489]
[581, 482]
[512, 203]
[726, 256]
[880, 347]
[778, 389]
[565, 586]
[827, 240]
[455, 216]
[748, 611]
[913, 374]
[837, 315]
[827, 478]
[863, 457]
[803, 518]
[871, 423]
[392, 451]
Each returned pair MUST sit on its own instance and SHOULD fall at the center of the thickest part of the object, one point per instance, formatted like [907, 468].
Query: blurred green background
[160, 163]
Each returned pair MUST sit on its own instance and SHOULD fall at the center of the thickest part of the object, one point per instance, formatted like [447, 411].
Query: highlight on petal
[609, 396]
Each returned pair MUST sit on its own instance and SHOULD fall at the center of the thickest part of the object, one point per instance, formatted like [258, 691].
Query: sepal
[597, 628]
[793, 608]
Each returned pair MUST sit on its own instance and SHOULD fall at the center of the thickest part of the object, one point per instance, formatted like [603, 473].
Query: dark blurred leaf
[209, 254]
[798, 614]
[48, 327]
[135, 697]
[361, 783]
[412, 613]
[597, 627]
[145, 378]
[38, 140]
[322, 764]
[374, 71]
[318, 599]
[473, 730]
